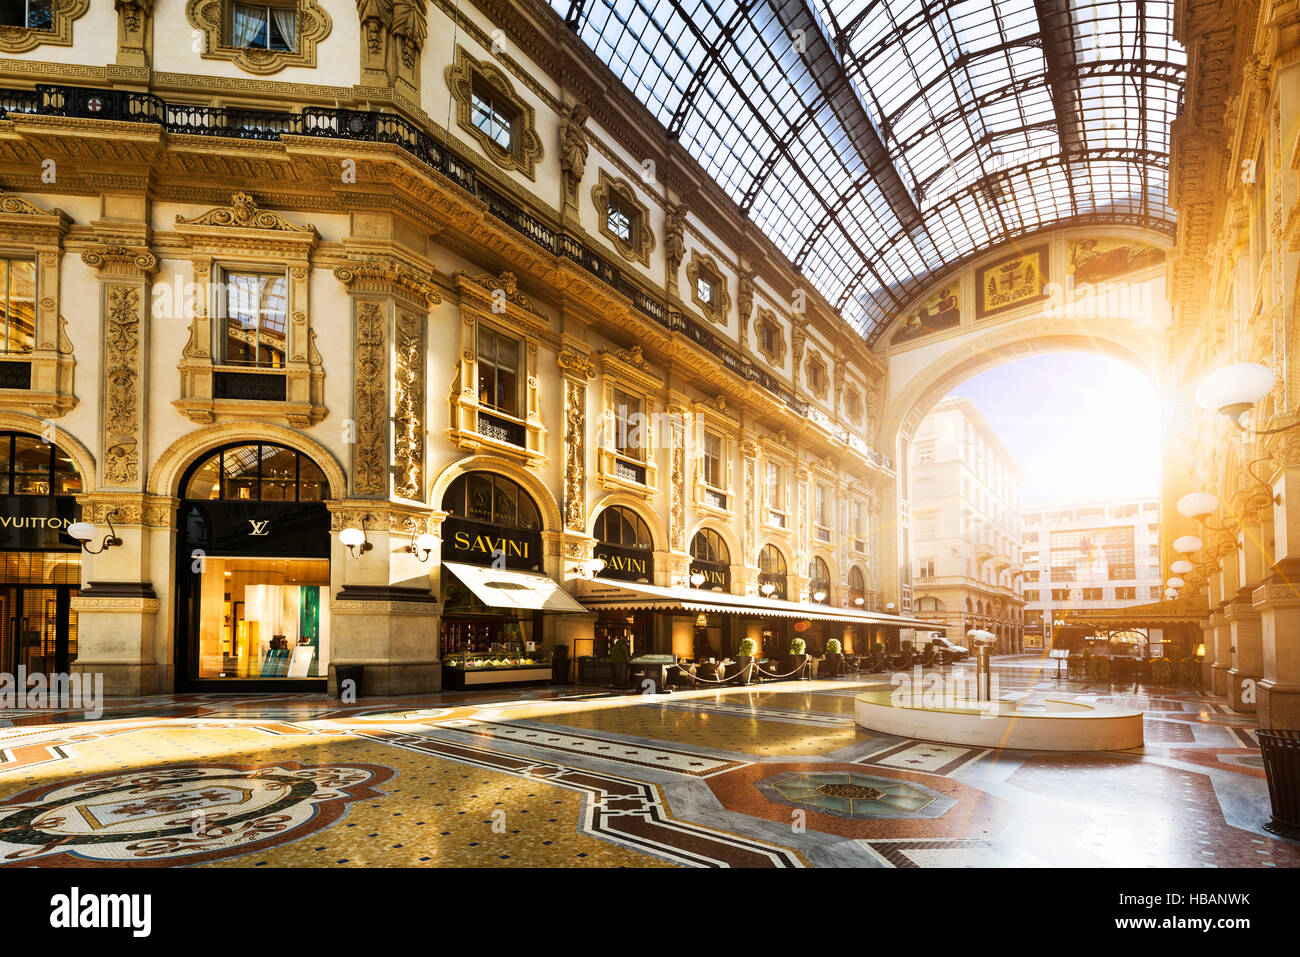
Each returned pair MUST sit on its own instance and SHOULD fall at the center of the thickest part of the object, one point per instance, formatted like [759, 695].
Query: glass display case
[478, 652]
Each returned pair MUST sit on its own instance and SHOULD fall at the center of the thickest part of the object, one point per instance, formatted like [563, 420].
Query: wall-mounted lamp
[1200, 650]
[1182, 567]
[859, 601]
[767, 588]
[1175, 582]
[889, 606]
[588, 569]
[1171, 593]
[355, 539]
[1234, 389]
[697, 579]
[819, 596]
[84, 532]
[1187, 544]
[421, 546]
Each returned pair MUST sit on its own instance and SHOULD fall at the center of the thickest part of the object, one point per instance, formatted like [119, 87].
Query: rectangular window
[1153, 591]
[773, 480]
[1031, 595]
[704, 289]
[493, 118]
[926, 569]
[859, 520]
[767, 338]
[498, 371]
[18, 304]
[619, 221]
[32, 14]
[713, 473]
[253, 308]
[1094, 594]
[260, 26]
[822, 495]
[1126, 593]
[629, 439]
[1108, 547]
[1060, 594]
[925, 454]
[924, 529]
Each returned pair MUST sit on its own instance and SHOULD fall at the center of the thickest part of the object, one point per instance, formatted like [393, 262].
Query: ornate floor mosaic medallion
[177, 815]
[850, 795]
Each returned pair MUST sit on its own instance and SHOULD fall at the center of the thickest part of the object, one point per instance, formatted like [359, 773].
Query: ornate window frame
[853, 404]
[787, 508]
[643, 237]
[22, 39]
[628, 371]
[462, 75]
[27, 231]
[497, 301]
[766, 317]
[821, 387]
[243, 235]
[706, 265]
[210, 19]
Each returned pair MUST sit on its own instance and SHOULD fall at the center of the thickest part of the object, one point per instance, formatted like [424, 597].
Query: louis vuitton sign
[37, 522]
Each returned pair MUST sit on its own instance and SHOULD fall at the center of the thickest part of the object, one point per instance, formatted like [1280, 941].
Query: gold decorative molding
[400, 277]
[244, 213]
[64, 12]
[206, 16]
[575, 364]
[642, 243]
[134, 32]
[408, 401]
[370, 403]
[575, 446]
[462, 76]
[504, 286]
[122, 414]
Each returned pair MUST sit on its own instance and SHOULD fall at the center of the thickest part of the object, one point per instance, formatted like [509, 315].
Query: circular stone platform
[1060, 724]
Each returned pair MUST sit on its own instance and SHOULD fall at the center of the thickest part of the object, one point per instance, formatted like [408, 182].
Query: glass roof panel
[876, 141]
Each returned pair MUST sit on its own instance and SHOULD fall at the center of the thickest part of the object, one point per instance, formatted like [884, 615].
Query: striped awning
[633, 596]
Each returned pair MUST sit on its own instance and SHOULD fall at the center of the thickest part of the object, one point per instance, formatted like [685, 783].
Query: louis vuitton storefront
[253, 555]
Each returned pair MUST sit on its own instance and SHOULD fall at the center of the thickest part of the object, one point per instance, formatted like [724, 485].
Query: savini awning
[502, 588]
[609, 593]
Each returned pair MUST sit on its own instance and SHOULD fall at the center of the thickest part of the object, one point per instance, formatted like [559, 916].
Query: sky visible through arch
[1083, 427]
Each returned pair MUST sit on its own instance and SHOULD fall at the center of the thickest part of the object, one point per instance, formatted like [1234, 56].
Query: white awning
[501, 588]
[610, 593]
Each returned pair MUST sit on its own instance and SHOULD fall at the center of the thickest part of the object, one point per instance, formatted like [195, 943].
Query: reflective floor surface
[775, 775]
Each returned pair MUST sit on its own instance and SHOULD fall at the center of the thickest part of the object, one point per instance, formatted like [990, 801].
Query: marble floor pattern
[774, 775]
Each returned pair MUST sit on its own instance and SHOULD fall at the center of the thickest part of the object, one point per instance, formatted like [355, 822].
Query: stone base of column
[393, 632]
[122, 679]
[1243, 691]
[1219, 679]
[384, 678]
[1278, 706]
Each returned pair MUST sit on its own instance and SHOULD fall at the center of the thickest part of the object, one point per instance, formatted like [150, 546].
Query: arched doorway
[253, 570]
[41, 565]
[625, 544]
[711, 571]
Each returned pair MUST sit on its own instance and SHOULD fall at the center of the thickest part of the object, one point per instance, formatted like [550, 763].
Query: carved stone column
[117, 604]
[376, 26]
[410, 27]
[577, 369]
[746, 569]
[386, 615]
[679, 417]
[1225, 593]
[134, 32]
[1255, 556]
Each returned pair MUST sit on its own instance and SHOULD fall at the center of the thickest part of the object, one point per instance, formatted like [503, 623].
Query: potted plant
[834, 657]
[618, 658]
[745, 660]
[560, 665]
[798, 657]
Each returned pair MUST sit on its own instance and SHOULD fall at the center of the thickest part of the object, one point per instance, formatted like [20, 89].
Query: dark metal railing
[374, 126]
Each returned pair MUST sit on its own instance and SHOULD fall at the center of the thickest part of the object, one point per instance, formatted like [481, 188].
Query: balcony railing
[378, 127]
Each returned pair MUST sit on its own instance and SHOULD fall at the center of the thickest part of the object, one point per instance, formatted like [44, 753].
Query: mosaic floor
[770, 776]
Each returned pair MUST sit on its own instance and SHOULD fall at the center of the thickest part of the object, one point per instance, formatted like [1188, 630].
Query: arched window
[258, 472]
[623, 528]
[771, 572]
[928, 604]
[31, 466]
[819, 580]
[708, 546]
[494, 499]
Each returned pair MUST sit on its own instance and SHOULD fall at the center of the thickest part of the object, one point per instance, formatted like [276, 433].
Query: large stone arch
[534, 486]
[85, 461]
[165, 476]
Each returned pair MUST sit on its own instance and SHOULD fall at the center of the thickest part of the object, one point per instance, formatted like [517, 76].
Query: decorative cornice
[505, 284]
[110, 257]
[388, 271]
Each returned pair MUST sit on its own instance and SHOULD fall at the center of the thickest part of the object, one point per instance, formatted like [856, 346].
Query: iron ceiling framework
[877, 142]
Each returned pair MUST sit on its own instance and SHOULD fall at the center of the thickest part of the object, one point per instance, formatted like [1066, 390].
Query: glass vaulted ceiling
[877, 141]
